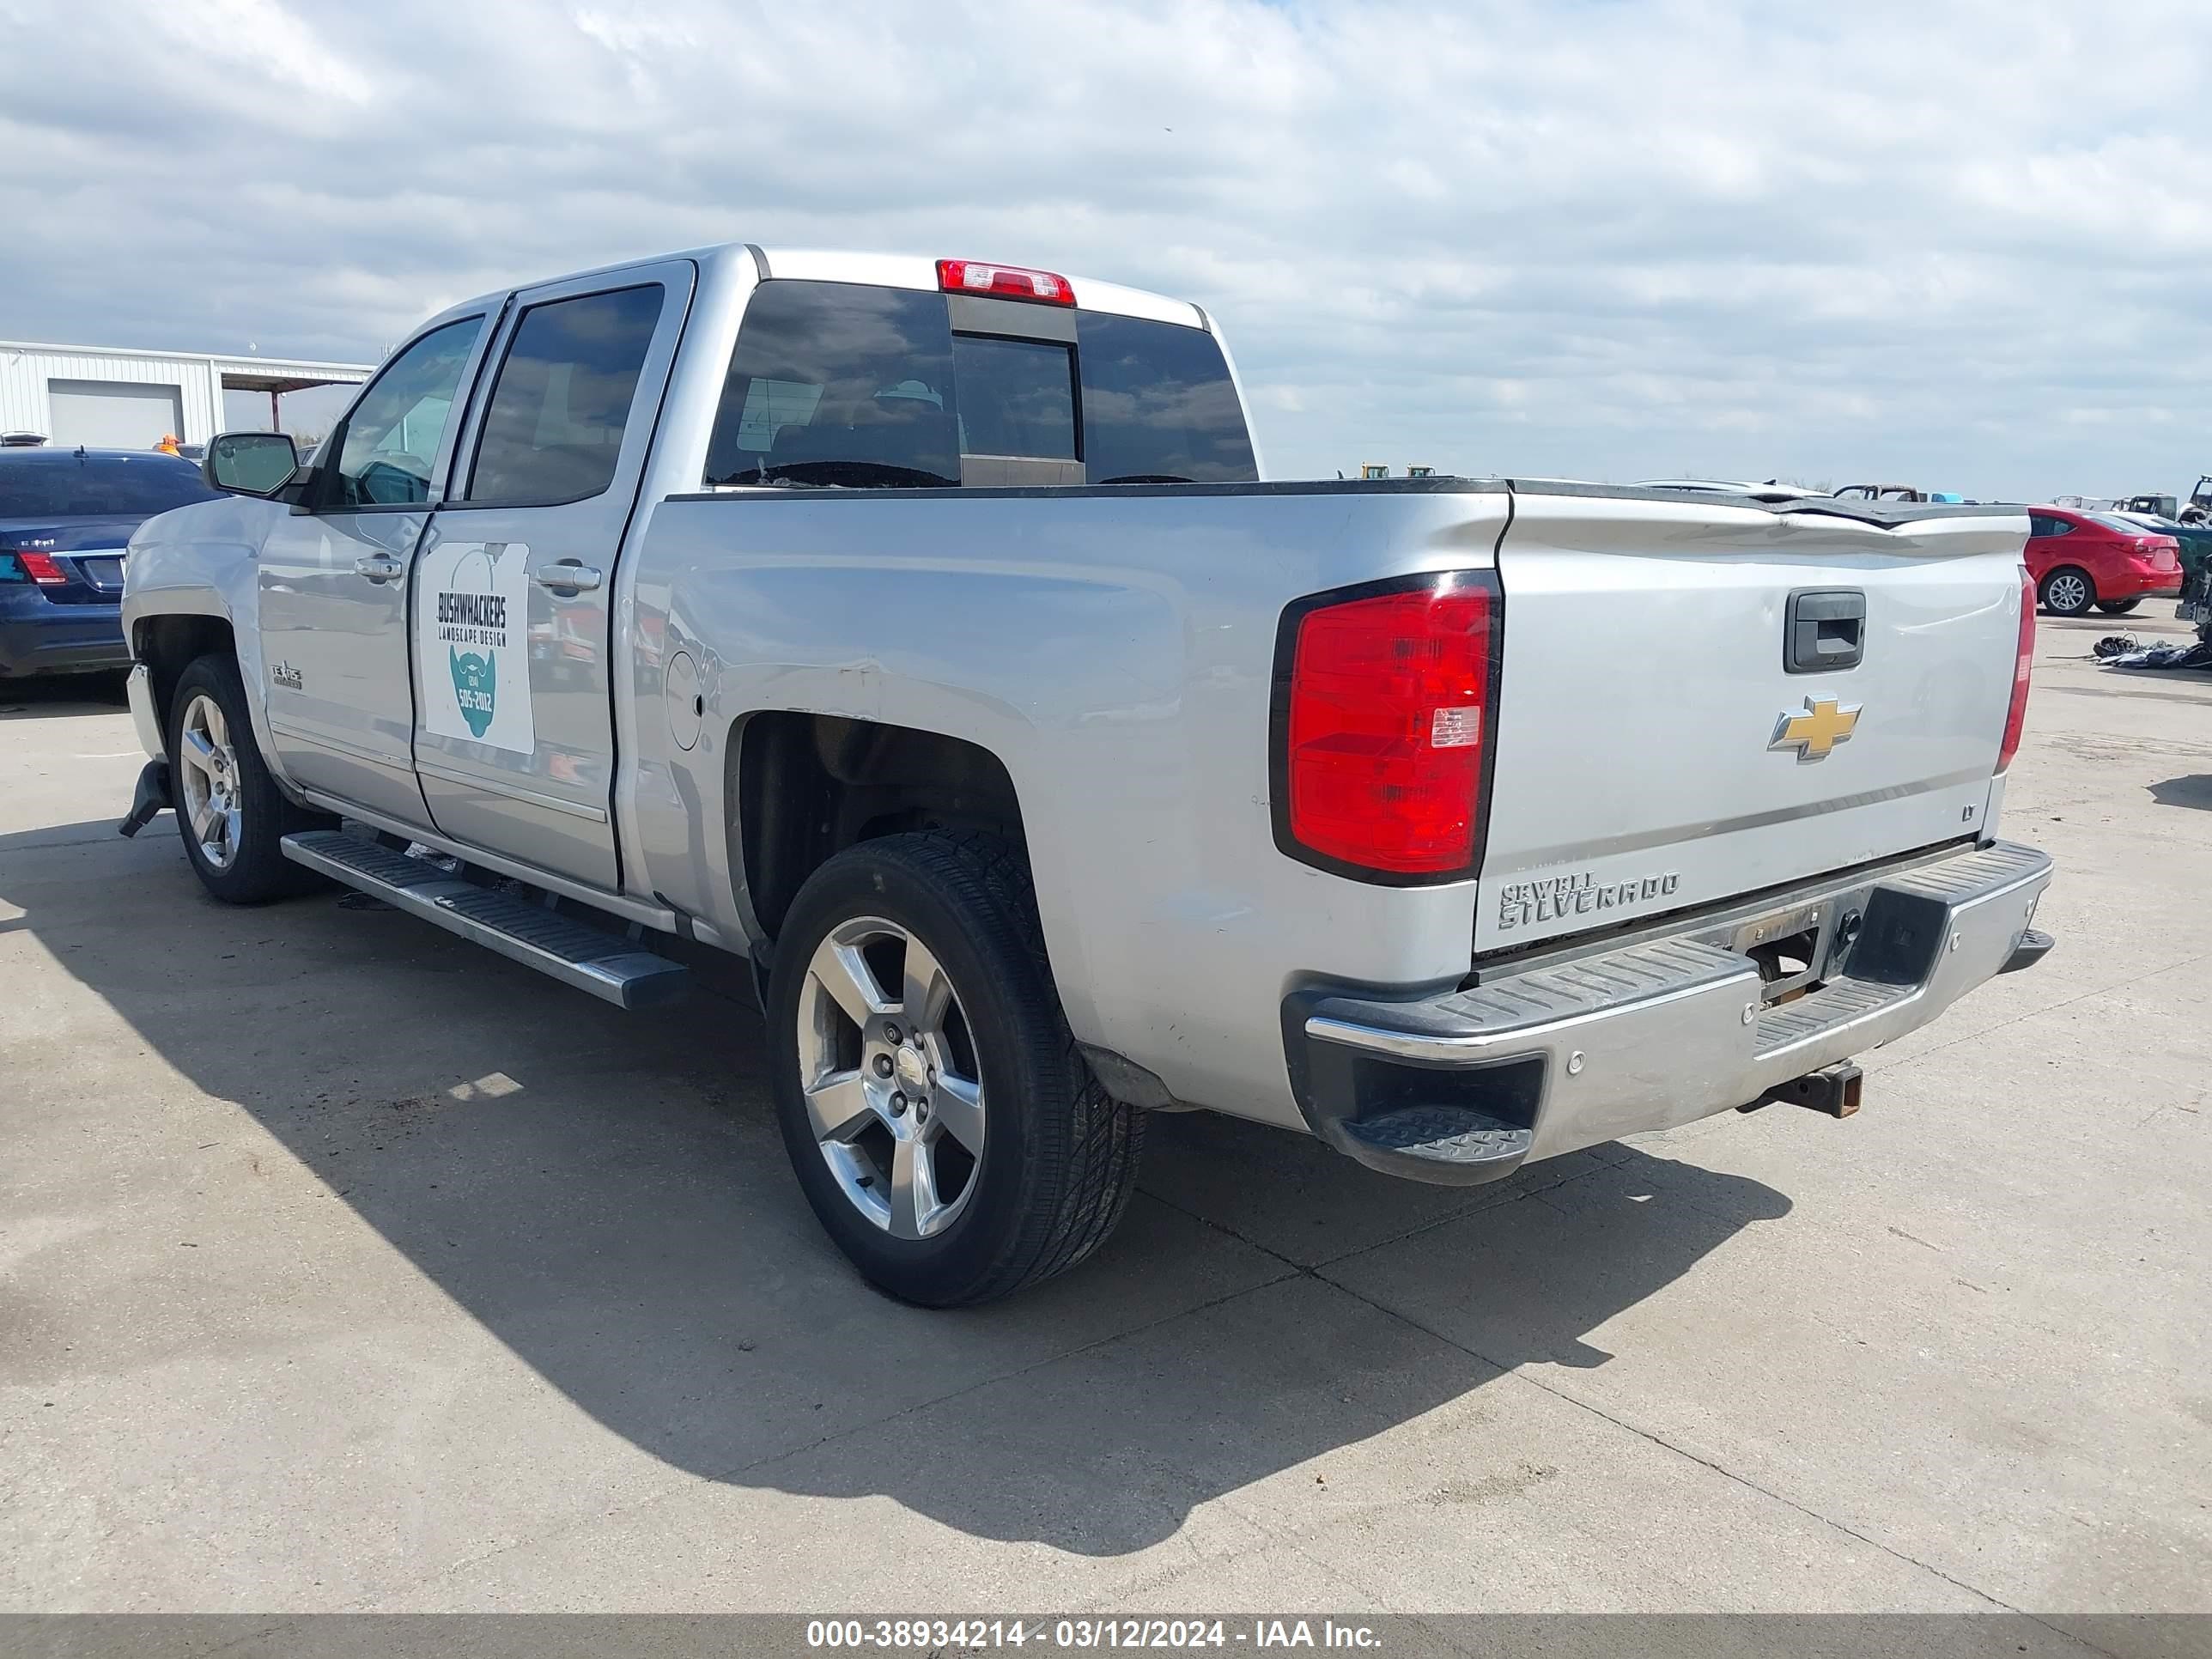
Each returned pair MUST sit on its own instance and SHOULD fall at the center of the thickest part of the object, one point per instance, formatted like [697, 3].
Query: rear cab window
[1158, 406]
[61, 485]
[839, 384]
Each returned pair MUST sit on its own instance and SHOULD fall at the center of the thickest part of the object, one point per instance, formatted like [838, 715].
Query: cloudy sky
[1964, 244]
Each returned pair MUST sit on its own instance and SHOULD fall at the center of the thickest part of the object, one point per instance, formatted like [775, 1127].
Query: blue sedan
[65, 515]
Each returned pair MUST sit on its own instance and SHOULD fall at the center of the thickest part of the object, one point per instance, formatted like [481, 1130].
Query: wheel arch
[192, 622]
[168, 642]
[800, 787]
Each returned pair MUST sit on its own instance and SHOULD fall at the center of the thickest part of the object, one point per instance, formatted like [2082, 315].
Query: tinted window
[553, 429]
[835, 383]
[2114, 521]
[392, 435]
[99, 486]
[1017, 397]
[1158, 405]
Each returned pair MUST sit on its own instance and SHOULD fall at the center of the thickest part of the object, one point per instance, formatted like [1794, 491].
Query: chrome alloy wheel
[894, 1091]
[2067, 592]
[211, 793]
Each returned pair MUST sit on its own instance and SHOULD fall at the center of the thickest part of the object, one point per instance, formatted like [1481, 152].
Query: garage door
[113, 415]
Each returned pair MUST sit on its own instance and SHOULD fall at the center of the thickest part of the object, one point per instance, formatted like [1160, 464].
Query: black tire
[2117, 607]
[258, 869]
[2081, 598]
[1060, 1155]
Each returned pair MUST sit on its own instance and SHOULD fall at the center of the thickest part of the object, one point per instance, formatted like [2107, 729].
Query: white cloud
[1965, 244]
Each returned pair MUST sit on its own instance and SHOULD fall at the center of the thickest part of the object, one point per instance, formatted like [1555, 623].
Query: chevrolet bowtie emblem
[1817, 731]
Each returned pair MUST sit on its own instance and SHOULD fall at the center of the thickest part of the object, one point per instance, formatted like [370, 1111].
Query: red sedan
[2084, 559]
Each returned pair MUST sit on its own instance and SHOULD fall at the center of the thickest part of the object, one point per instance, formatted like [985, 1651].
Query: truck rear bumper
[1465, 1086]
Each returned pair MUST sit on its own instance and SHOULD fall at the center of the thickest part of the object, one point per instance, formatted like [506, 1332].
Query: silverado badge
[1817, 731]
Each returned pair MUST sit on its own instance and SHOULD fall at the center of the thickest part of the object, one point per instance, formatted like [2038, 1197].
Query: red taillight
[1005, 282]
[1383, 717]
[2017, 714]
[40, 569]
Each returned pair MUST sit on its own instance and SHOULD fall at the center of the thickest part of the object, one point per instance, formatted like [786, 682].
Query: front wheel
[228, 808]
[2117, 607]
[948, 1134]
[2068, 591]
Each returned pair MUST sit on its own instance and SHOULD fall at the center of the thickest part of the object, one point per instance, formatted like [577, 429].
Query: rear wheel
[2068, 591]
[2117, 607]
[942, 1123]
[228, 809]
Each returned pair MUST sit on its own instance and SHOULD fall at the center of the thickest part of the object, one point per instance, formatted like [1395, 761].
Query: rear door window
[839, 384]
[1158, 406]
[553, 430]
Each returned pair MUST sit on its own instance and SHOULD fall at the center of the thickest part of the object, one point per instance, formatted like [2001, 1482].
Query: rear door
[1698, 701]
[515, 739]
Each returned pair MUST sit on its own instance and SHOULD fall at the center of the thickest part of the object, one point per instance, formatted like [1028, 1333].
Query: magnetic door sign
[471, 644]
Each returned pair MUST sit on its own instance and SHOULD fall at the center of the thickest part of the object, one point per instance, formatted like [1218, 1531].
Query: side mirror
[251, 463]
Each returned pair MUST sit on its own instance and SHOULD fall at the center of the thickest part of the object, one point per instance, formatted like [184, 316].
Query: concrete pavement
[344, 1266]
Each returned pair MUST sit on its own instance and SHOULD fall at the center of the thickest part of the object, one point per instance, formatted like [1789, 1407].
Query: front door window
[392, 437]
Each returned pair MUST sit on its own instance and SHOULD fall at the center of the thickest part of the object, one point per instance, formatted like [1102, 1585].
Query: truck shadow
[607, 1194]
[2190, 791]
[50, 695]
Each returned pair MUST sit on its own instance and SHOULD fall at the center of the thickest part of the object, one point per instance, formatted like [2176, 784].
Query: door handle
[1824, 629]
[378, 567]
[567, 576]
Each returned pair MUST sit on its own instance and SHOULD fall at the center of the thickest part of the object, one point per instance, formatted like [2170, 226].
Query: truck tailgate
[1655, 749]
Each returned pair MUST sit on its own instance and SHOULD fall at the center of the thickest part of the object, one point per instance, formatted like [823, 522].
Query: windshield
[2114, 521]
[98, 486]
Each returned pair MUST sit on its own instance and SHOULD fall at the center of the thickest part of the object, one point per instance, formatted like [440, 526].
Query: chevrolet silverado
[924, 632]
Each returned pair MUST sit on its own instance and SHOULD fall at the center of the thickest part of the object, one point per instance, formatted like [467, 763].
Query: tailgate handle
[1825, 629]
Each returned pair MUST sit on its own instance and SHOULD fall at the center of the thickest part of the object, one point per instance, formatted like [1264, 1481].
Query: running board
[608, 965]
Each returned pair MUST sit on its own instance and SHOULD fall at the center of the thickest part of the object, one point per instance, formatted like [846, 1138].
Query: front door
[334, 581]
[514, 738]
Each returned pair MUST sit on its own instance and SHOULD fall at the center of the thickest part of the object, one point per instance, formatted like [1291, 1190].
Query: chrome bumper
[1661, 1031]
[139, 689]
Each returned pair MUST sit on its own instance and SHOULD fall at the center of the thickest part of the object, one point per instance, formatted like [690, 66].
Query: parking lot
[344, 1266]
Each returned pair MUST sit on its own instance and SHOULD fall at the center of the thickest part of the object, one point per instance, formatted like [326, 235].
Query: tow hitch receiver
[1832, 1089]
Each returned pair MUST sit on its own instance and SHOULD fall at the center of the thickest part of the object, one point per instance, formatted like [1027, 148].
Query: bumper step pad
[608, 965]
[1442, 1134]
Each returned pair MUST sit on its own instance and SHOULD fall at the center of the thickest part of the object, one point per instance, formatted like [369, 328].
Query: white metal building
[110, 397]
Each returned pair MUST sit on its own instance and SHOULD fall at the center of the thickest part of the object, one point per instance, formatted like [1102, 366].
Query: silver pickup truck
[923, 631]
